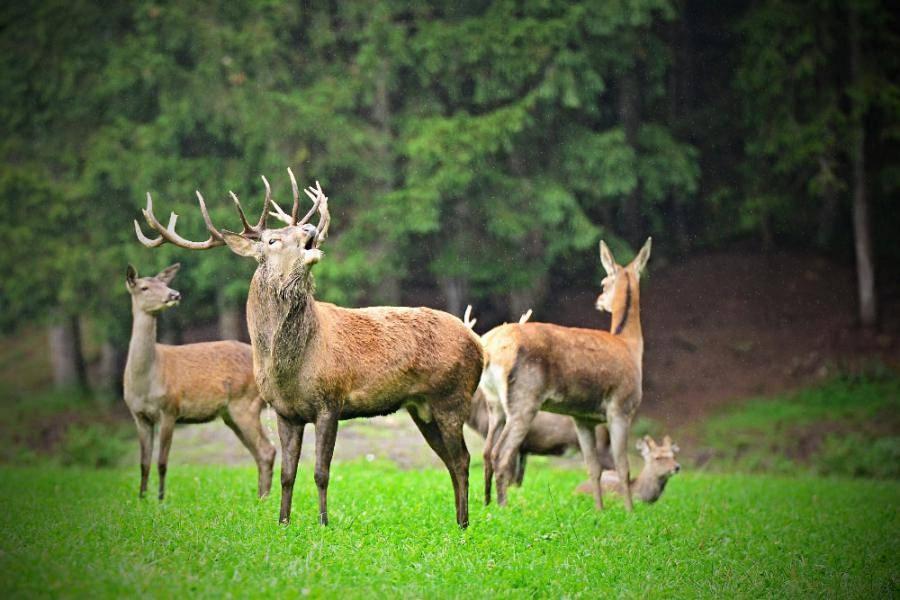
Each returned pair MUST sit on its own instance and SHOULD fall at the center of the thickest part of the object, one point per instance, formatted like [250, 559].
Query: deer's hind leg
[243, 417]
[444, 433]
[523, 402]
[496, 423]
[587, 441]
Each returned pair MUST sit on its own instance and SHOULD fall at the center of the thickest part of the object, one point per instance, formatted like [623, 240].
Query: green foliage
[95, 446]
[85, 533]
[847, 427]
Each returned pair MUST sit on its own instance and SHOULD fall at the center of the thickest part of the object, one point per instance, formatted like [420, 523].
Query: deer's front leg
[291, 435]
[166, 429]
[618, 439]
[145, 436]
[326, 434]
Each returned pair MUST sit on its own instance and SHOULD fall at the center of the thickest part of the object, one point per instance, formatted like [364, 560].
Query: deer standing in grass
[593, 376]
[192, 383]
[318, 363]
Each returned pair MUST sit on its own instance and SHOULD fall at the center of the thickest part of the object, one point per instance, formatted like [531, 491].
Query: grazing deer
[192, 383]
[318, 363]
[593, 376]
[549, 435]
[659, 466]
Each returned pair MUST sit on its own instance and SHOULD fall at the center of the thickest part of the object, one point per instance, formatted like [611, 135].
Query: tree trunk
[629, 116]
[231, 320]
[830, 201]
[112, 368]
[862, 231]
[66, 357]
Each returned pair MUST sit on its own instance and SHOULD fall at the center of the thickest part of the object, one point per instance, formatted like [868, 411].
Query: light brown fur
[594, 376]
[193, 383]
[659, 466]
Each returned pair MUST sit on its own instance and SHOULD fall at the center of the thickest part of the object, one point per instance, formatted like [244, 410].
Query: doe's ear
[168, 274]
[131, 276]
[606, 258]
[642, 446]
[640, 261]
[240, 245]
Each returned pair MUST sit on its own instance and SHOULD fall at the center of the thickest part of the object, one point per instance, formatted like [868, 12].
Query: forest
[474, 153]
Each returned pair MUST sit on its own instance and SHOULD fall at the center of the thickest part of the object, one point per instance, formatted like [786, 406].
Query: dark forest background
[473, 153]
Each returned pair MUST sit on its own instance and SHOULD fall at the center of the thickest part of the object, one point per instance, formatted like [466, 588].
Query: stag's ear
[241, 245]
[168, 274]
[640, 261]
[606, 258]
[130, 276]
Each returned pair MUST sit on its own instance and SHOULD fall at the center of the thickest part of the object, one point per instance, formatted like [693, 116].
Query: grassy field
[73, 532]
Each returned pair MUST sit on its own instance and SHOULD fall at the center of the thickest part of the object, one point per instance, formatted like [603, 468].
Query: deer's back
[572, 366]
[200, 379]
[374, 358]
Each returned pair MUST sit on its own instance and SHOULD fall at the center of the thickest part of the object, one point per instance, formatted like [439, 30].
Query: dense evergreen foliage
[477, 149]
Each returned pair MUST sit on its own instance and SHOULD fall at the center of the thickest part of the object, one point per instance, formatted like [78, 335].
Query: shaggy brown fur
[192, 383]
[594, 376]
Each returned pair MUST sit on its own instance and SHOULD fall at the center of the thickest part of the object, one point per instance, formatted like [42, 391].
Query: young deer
[192, 383]
[549, 434]
[593, 376]
[659, 466]
[318, 363]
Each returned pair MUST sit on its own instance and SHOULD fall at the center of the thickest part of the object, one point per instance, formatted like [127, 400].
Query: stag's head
[285, 254]
[152, 294]
[615, 273]
[659, 459]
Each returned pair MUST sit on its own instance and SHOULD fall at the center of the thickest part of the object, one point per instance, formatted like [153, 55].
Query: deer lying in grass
[659, 466]
[318, 363]
[192, 383]
[549, 435]
[593, 376]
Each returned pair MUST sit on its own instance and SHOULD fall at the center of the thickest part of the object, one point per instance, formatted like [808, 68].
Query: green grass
[847, 427]
[73, 532]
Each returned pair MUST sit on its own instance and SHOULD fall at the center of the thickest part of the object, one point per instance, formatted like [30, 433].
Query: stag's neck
[283, 321]
[626, 314]
[141, 350]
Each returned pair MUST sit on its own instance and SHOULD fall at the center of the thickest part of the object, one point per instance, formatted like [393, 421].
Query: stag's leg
[166, 428]
[587, 441]
[446, 439]
[291, 435]
[243, 419]
[520, 467]
[326, 434]
[618, 438]
[145, 437]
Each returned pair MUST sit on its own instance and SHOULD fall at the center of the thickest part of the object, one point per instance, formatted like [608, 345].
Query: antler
[524, 318]
[168, 234]
[291, 219]
[468, 321]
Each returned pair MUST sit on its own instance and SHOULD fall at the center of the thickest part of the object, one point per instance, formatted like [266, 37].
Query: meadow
[81, 532]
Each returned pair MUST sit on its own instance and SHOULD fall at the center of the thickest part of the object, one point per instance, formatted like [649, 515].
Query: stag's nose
[174, 296]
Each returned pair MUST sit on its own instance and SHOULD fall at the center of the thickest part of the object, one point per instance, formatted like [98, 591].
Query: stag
[318, 363]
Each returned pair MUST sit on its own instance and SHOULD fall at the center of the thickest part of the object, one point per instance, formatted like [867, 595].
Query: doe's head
[659, 459]
[152, 294]
[616, 273]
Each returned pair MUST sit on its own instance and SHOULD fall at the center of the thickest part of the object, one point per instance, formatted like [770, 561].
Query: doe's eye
[272, 242]
[144, 288]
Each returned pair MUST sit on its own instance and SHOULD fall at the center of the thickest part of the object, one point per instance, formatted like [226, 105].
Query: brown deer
[659, 466]
[318, 363]
[192, 383]
[593, 376]
[549, 435]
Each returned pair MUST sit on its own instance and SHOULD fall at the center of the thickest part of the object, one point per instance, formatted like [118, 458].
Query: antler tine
[524, 318]
[296, 191]
[261, 224]
[209, 225]
[321, 201]
[158, 240]
[468, 321]
[168, 233]
[237, 204]
[279, 214]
